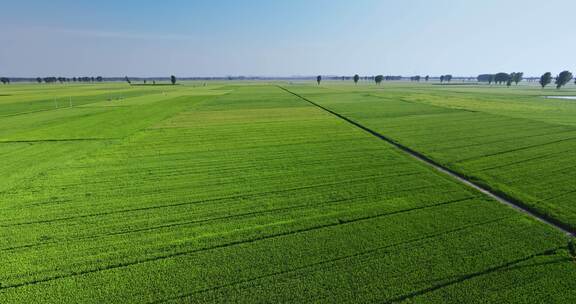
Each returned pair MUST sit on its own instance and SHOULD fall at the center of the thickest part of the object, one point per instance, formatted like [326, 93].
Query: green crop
[245, 193]
[514, 141]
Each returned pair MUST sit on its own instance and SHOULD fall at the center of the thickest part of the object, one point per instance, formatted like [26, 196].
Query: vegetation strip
[217, 199]
[461, 178]
[252, 240]
[186, 223]
[346, 257]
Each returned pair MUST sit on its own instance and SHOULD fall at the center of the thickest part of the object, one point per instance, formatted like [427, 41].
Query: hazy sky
[285, 37]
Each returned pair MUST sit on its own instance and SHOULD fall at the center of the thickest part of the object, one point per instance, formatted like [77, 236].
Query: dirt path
[459, 177]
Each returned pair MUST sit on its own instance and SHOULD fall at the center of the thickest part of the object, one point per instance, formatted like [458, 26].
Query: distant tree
[5, 80]
[485, 78]
[378, 79]
[445, 78]
[501, 78]
[511, 79]
[318, 79]
[415, 78]
[519, 76]
[144, 81]
[356, 78]
[39, 80]
[99, 79]
[127, 80]
[563, 79]
[173, 79]
[427, 78]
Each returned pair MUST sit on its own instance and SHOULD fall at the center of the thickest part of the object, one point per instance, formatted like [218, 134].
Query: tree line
[52, 79]
[561, 80]
[502, 78]
[499, 78]
[66, 79]
[446, 78]
[6, 80]
[172, 80]
[516, 77]
[378, 79]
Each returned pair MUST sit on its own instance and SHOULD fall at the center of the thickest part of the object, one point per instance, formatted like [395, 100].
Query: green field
[512, 140]
[244, 192]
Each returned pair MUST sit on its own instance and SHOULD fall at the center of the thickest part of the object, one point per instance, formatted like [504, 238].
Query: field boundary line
[104, 96]
[26, 141]
[496, 195]
[503, 140]
[474, 111]
[518, 149]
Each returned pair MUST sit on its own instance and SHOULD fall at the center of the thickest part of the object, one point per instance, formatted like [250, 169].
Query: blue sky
[285, 38]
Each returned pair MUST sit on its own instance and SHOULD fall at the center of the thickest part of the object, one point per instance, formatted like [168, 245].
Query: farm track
[569, 231]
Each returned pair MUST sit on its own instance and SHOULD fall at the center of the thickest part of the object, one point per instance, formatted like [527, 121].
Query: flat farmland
[243, 192]
[512, 140]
